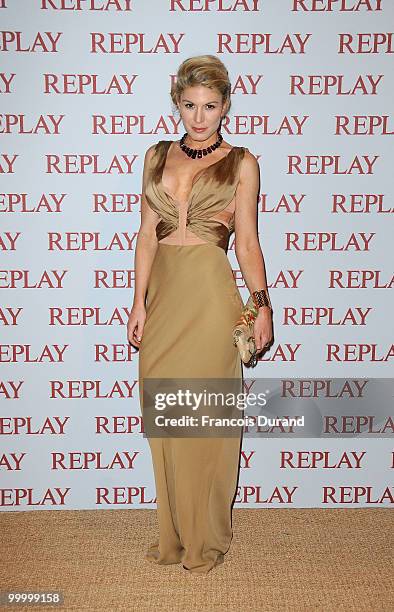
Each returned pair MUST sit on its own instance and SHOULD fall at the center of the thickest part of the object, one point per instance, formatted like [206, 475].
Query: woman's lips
[199, 129]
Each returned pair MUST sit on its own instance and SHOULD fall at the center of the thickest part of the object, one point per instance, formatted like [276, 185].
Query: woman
[196, 191]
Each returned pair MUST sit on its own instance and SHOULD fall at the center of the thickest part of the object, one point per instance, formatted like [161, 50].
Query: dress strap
[158, 159]
[240, 155]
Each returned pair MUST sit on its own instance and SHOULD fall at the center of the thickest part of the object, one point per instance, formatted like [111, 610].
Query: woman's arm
[146, 247]
[247, 246]
[146, 244]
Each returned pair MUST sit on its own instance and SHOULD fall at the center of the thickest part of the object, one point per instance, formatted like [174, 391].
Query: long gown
[192, 304]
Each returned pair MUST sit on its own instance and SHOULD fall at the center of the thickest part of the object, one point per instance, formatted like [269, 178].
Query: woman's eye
[189, 105]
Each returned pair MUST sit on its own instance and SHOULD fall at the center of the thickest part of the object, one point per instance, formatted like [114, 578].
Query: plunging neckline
[196, 178]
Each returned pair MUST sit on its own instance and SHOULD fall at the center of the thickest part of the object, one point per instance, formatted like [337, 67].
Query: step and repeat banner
[84, 88]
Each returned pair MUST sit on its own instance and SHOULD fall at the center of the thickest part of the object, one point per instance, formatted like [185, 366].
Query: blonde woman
[196, 191]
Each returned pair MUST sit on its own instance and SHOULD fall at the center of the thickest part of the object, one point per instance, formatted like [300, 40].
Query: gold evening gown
[192, 304]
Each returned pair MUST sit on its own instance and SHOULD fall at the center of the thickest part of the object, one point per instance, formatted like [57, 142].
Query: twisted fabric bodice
[208, 213]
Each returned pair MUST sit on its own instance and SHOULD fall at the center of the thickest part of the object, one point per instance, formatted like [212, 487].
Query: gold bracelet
[261, 298]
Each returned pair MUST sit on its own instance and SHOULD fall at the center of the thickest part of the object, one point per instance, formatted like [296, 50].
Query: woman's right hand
[135, 325]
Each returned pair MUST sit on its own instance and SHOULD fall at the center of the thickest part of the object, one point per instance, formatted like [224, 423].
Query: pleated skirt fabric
[192, 305]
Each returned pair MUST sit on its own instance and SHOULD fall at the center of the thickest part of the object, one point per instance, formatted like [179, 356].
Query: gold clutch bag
[243, 333]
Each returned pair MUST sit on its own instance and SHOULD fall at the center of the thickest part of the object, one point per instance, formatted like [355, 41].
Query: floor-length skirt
[192, 305]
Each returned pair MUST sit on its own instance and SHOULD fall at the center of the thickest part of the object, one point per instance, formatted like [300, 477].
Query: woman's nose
[199, 117]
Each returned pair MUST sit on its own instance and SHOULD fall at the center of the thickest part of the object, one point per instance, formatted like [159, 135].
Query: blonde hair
[207, 70]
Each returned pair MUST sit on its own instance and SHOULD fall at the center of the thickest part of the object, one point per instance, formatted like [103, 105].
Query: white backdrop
[84, 92]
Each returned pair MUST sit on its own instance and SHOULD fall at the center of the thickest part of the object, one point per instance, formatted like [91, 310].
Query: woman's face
[201, 107]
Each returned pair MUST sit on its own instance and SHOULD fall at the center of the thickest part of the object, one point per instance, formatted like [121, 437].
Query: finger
[131, 337]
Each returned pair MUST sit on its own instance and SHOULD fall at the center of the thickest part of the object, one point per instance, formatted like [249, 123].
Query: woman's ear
[226, 106]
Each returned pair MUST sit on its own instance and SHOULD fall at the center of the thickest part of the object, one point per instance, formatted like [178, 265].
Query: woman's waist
[208, 262]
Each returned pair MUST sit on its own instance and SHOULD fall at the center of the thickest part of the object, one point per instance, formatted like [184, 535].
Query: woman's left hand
[263, 328]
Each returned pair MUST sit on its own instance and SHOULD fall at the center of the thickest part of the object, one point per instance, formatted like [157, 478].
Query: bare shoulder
[149, 153]
[148, 164]
[249, 166]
